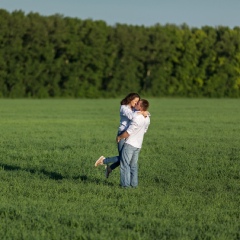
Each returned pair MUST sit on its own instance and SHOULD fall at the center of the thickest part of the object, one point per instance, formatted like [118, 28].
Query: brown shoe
[99, 161]
[108, 171]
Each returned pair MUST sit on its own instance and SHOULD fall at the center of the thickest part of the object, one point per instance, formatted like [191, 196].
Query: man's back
[138, 127]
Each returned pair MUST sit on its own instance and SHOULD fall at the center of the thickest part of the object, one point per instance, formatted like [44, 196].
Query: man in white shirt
[134, 137]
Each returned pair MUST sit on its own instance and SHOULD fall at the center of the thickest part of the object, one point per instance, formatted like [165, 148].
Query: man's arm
[131, 128]
[123, 135]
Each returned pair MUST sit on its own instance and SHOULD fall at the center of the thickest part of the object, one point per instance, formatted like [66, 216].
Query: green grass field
[189, 171]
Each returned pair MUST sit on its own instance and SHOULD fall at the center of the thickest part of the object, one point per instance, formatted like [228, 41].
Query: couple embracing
[134, 123]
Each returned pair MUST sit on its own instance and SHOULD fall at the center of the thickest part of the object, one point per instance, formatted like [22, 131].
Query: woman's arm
[127, 112]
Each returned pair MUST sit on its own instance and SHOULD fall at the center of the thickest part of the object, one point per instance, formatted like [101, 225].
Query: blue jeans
[129, 166]
[115, 160]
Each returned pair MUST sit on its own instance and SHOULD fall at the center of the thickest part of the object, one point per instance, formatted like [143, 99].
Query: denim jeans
[115, 160]
[129, 166]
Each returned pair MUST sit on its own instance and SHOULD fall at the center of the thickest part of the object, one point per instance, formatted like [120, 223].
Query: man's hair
[144, 104]
[129, 98]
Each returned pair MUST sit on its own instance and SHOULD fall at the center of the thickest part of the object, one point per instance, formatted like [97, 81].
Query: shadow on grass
[96, 181]
[51, 175]
[54, 175]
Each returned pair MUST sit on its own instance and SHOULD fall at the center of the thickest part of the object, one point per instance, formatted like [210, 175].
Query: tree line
[57, 56]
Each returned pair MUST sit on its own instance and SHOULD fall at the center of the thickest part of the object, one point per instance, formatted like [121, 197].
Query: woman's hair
[129, 98]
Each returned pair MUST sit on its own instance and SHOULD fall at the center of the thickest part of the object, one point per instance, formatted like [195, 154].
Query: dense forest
[57, 56]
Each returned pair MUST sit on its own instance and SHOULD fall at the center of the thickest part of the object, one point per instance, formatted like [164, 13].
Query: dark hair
[129, 98]
[144, 104]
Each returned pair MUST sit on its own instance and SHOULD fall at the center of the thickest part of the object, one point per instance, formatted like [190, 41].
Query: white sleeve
[146, 128]
[147, 125]
[127, 112]
[133, 125]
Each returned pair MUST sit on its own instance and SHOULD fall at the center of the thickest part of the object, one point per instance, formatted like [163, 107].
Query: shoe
[99, 161]
[108, 171]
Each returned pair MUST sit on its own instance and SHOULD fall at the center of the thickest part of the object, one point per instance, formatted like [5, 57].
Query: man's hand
[123, 135]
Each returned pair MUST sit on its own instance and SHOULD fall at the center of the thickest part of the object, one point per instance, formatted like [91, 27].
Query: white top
[137, 128]
[126, 115]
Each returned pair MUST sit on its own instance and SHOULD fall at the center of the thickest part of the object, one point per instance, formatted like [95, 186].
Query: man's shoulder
[137, 116]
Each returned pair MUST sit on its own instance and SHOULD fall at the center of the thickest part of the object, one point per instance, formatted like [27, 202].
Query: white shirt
[137, 128]
[126, 115]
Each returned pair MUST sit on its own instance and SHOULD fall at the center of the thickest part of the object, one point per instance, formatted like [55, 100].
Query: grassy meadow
[189, 171]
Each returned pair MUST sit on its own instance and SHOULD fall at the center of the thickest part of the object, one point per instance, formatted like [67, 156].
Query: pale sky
[195, 13]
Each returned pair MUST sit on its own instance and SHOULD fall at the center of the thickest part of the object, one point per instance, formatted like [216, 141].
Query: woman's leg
[120, 146]
[111, 160]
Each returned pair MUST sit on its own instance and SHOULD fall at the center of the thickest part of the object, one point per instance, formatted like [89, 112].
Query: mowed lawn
[189, 171]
